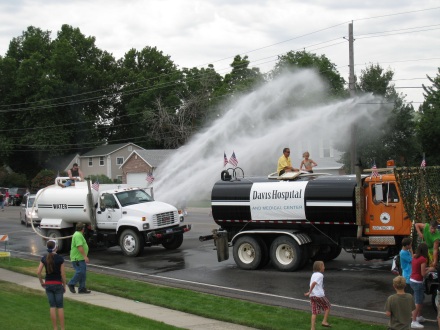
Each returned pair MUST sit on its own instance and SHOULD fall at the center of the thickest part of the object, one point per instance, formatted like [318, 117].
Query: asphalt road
[356, 288]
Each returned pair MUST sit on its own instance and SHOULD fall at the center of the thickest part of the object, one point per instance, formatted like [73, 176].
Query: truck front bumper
[160, 234]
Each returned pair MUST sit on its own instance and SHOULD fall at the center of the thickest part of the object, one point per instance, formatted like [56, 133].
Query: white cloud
[198, 32]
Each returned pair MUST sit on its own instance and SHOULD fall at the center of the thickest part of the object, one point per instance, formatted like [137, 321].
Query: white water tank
[68, 204]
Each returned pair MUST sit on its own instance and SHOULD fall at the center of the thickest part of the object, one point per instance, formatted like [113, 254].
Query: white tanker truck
[115, 214]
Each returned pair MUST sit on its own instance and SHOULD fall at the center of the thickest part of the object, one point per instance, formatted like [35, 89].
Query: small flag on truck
[150, 178]
[374, 172]
[233, 160]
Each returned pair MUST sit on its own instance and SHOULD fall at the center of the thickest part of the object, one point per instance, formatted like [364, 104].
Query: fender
[299, 237]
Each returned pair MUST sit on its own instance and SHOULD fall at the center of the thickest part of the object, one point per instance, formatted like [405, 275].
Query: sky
[402, 36]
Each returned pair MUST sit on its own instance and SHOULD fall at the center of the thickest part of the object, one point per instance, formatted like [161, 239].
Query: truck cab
[386, 222]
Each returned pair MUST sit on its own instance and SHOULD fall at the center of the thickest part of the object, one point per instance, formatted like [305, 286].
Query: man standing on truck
[78, 255]
[431, 236]
[74, 174]
[284, 163]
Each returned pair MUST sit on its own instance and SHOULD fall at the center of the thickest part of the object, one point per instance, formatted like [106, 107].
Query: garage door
[137, 179]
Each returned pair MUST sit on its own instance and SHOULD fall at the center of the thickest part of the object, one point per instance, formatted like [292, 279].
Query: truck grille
[164, 219]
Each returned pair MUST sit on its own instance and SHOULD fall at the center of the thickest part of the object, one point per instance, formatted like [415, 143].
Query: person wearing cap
[78, 255]
[54, 283]
[284, 163]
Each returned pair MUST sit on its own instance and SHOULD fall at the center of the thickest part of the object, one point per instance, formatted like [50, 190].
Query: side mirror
[379, 192]
[101, 203]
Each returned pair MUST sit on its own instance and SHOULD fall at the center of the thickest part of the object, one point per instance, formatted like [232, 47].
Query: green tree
[241, 79]
[302, 59]
[146, 78]
[391, 134]
[48, 100]
[428, 128]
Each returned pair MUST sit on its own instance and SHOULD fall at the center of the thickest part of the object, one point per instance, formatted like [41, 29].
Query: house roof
[153, 157]
[60, 163]
[107, 149]
[328, 164]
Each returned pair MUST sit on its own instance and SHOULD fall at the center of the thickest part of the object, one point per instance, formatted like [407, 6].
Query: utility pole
[351, 88]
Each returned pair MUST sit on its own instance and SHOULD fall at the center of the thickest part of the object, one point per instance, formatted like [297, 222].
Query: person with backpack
[405, 257]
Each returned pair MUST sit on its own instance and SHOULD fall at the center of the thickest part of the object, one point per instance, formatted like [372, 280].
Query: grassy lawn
[24, 308]
[220, 308]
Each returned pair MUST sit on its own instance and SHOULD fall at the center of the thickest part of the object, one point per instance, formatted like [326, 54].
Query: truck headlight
[145, 226]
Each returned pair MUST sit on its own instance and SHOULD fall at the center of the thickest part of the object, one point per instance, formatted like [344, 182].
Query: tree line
[65, 96]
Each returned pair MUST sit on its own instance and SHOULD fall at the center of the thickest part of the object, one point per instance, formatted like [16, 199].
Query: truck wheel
[174, 242]
[305, 255]
[56, 234]
[247, 253]
[131, 243]
[327, 252]
[285, 254]
[264, 253]
[434, 299]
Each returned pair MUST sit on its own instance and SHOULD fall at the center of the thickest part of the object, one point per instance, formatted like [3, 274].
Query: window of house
[325, 148]
[101, 161]
[90, 161]
[119, 160]
[130, 148]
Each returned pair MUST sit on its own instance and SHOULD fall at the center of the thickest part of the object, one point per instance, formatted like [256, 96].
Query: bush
[12, 179]
[43, 179]
[101, 178]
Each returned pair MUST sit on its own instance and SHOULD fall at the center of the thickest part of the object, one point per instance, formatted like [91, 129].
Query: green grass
[211, 306]
[24, 308]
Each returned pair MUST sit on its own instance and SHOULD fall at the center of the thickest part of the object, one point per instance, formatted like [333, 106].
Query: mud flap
[221, 243]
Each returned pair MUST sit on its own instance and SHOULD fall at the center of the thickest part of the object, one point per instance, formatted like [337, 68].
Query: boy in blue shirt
[405, 262]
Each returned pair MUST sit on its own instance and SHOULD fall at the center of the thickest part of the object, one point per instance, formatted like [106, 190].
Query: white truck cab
[115, 214]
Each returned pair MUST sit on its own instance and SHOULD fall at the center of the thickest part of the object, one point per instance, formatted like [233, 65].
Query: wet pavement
[357, 288]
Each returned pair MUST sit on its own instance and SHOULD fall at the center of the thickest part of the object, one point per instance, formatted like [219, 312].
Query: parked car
[26, 214]
[16, 195]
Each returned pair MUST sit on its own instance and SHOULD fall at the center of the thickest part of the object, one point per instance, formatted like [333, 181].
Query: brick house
[141, 162]
[107, 159]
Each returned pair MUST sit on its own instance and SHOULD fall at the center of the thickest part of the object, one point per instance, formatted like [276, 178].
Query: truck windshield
[131, 197]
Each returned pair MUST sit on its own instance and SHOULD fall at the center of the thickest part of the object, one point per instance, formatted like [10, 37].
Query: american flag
[233, 160]
[374, 172]
[423, 164]
[150, 178]
[225, 160]
[96, 185]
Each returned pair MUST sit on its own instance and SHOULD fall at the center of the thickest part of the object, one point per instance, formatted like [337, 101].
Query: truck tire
[286, 254]
[327, 253]
[174, 242]
[248, 252]
[131, 243]
[305, 255]
[56, 234]
[264, 253]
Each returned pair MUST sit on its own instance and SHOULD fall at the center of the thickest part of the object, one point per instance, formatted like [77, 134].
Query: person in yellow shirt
[284, 163]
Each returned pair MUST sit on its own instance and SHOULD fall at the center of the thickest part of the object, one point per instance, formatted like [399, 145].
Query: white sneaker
[416, 325]
[420, 319]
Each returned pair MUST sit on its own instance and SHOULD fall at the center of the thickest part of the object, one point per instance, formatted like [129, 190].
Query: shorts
[319, 304]
[419, 294]
[55, 294]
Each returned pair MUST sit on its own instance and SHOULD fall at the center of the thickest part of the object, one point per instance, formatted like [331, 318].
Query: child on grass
[318, 300]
